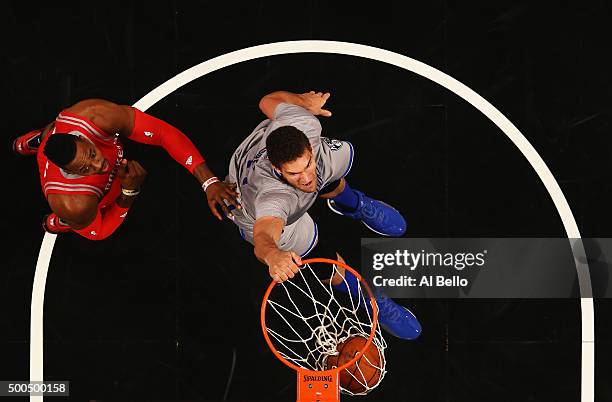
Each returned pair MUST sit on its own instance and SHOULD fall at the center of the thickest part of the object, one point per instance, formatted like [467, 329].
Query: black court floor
[168, 307]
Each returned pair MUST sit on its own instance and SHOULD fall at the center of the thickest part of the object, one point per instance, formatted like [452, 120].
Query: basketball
[365, 372]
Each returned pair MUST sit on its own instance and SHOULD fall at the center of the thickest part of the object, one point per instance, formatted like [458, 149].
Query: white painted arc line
[351, 49]
[588, 370]
[36, 314]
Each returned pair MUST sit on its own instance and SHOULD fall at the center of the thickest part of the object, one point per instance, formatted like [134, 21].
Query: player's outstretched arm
[282, 265]
[82, 214]
[312, 101]
[141, 127]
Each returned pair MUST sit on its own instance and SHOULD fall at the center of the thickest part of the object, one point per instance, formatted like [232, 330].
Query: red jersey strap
[153, 131]
[105, 223]
[57, 187]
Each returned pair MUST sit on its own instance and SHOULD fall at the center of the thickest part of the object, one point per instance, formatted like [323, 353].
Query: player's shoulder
[292, 115]
[88, 107]
[288, 110]
[104, 115]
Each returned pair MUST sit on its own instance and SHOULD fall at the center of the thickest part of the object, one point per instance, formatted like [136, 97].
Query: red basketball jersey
[55, 180]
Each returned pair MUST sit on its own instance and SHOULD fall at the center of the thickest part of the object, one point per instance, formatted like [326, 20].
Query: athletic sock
[347, 199]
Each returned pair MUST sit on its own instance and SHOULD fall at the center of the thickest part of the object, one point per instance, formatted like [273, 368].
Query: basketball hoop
[307, 321]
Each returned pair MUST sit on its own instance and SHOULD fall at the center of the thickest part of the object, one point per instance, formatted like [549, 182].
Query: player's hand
[217, 193]
[131, 174]
[315, 102]
[283, 265]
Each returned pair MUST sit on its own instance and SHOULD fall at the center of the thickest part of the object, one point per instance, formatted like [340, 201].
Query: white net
[306, 319]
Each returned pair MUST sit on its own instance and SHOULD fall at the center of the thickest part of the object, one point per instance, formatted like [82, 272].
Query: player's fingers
[289, 271]
[234, 192]
[325, 112]
[229, 189]
[213, 209]
[326, 96]
[224, 207]
[296, 258]
[122, 168]
[294, 269]
[281, 276]
[130, 168]
[138, 168]
[231, 198]
[234, 202]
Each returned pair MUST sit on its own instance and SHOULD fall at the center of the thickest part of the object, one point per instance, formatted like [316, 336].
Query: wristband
[208, 182]
[129, 193]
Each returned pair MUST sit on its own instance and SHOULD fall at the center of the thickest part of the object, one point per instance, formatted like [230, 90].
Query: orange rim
[372, 303]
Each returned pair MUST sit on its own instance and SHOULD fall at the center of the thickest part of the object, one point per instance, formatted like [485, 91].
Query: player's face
[88, 160]
[301, 173]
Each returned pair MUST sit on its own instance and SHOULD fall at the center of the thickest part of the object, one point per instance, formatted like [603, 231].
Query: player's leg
[394, 318]
[378, 216]
[53, 224]
[28, 143]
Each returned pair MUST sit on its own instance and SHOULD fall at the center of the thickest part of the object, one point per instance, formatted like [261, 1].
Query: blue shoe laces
[369, 210]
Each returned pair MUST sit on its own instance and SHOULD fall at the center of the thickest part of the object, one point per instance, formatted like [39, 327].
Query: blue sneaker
[379, 217]
[395, 319]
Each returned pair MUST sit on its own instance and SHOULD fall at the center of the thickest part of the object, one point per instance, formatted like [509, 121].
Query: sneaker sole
[16, 152]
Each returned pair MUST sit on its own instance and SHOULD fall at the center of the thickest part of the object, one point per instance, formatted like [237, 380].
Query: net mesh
[306, 319]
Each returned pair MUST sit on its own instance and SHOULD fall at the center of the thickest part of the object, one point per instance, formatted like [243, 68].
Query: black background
[163, 308]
